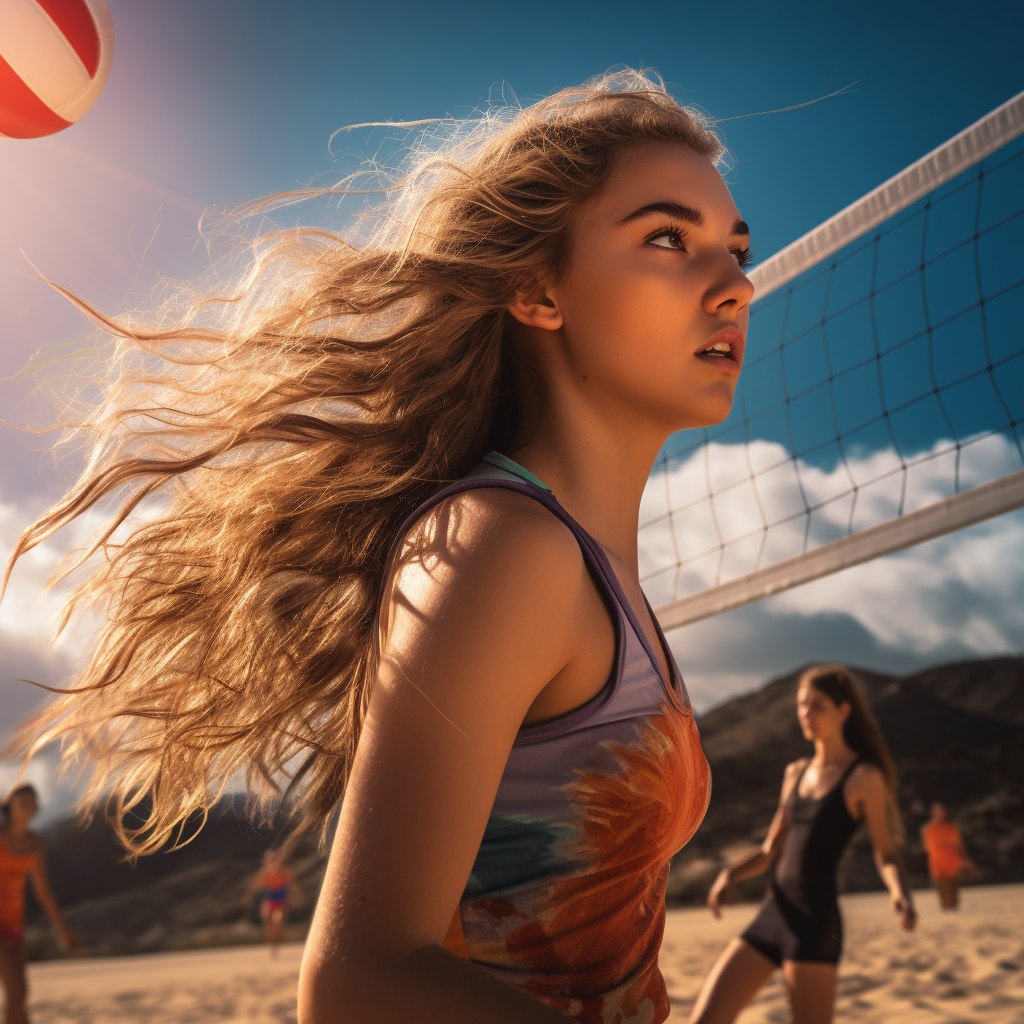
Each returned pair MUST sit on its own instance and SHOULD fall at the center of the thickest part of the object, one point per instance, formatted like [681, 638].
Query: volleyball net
[882, 394]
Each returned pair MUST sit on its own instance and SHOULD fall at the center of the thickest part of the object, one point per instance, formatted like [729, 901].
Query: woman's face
[21, 808]
[819, 716]
[655, 281]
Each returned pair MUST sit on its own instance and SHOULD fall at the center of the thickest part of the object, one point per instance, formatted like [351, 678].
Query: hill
[179, 899]
[956, 733]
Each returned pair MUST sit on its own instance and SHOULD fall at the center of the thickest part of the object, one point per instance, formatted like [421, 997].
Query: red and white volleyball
[55, 57]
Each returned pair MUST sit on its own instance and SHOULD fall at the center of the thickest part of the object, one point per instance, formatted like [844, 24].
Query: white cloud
[28, 618]
[959, 596]
[29, 612]
[58, 793]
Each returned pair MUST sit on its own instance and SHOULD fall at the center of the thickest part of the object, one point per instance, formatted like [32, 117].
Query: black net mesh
[887, 377]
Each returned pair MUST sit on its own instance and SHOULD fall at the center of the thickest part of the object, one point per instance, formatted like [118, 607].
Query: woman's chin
[708, 414]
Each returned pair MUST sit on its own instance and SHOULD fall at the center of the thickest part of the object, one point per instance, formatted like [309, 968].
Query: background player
[21, 857]
[947, 858]
[850, 779]
[278, 885]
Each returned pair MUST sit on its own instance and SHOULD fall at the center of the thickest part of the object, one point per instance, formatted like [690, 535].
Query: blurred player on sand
[276, 882]
[21, 857]
[947, 858]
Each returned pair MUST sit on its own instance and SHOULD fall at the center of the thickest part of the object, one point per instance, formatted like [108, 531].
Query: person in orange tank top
[277, 884]
[947, 858]
[21, 856]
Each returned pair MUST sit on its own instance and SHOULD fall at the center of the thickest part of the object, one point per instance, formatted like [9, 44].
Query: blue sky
[214, 102]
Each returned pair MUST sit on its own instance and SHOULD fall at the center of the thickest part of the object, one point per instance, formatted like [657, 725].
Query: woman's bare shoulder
[488, 568]
[866, 776]
[30, 843]
[482, 530]
[791, 774]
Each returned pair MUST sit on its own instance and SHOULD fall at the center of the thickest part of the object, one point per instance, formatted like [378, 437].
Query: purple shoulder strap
[594, 556]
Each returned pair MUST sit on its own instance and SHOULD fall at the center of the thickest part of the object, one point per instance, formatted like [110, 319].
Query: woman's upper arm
[869, 794]
[478, 623]
[780, 822]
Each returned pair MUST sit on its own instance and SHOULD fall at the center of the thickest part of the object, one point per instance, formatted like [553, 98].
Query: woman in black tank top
[824, 799]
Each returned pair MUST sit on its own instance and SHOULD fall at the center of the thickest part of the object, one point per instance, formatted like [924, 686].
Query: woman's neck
[833, 750]
[597, 467]
[16, 830]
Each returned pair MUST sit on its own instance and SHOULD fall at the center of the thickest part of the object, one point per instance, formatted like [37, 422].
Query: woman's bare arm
[868, 798]
[475, 631]
[761, 859]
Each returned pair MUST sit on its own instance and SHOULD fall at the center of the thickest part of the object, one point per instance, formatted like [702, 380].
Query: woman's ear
[537, 307]
[844, 709]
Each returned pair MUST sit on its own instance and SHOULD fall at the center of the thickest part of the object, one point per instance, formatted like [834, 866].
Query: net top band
[962, 151]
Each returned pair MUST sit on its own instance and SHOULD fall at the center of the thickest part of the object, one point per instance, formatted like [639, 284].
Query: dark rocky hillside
[956, 733]
[183, 898]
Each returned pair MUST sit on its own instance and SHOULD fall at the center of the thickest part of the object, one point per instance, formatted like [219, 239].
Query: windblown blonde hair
[285, 429]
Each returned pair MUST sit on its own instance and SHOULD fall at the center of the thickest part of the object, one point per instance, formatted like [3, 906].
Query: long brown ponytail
[267, 442]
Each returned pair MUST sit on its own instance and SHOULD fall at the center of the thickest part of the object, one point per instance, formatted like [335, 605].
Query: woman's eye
[744, 257]
[667, 240]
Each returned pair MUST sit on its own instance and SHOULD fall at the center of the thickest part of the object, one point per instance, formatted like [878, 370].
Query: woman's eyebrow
[688, 213]
[677, 210]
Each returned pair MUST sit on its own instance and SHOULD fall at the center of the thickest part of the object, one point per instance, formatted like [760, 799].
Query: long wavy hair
[860, 730]
[259, 446]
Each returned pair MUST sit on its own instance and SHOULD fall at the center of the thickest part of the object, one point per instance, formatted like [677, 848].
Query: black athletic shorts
[785, 930]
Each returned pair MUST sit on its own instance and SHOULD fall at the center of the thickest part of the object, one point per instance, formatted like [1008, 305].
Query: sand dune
[966, 968]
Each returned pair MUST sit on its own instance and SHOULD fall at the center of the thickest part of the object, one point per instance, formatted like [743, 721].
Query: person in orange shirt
[947, 859]
[277, 883]
[21, 856]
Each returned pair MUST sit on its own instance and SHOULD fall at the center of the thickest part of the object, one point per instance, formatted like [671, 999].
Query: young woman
[21, 857]
[398, 548]
[947, 858]
[850, 779]
[277, 885]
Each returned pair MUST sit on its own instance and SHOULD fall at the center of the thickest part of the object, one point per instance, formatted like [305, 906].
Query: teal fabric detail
[513, 851]
[507, 464]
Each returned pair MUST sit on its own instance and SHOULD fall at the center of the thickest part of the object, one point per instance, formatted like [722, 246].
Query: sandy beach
[966, 968]
[955, 968]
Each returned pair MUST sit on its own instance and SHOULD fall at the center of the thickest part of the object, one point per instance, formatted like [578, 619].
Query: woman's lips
[726, 360]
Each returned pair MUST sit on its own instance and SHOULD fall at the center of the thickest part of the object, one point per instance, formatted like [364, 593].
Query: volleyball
[55, 57]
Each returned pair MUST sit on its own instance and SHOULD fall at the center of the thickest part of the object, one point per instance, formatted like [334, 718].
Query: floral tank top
[566, 899]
